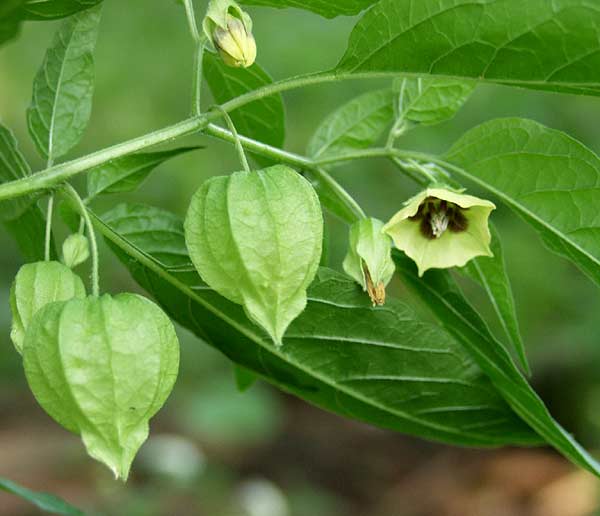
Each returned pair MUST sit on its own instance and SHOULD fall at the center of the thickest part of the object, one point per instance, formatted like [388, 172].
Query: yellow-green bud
[235, 45]
[441, 228]
[230, 30]
[369, 259]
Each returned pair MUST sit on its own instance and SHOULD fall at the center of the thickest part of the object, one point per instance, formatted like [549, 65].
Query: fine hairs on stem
[71, 192]
[238, 143]
[48, 235]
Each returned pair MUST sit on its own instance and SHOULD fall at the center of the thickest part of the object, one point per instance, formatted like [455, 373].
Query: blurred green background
[217, 452]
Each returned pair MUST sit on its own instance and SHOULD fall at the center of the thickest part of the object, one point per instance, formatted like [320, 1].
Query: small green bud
[442, 228]
[76, 250]
[369, 259]
[230, 30]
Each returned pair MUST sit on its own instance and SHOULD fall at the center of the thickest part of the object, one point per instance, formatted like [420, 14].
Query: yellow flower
[230, 30]
[440, 228]
[235, 44]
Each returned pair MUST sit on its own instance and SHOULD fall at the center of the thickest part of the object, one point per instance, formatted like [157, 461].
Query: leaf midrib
[151, 264]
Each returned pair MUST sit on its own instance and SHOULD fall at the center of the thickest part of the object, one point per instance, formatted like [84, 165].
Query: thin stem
[60, 173]
[197, 81]
[257, 147]
[199, 42]
[191, 18]
[238, 144]
[294, 160]
[48, 236]
[91, 235]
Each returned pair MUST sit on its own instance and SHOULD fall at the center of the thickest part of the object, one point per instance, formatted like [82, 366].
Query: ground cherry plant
[245, 269]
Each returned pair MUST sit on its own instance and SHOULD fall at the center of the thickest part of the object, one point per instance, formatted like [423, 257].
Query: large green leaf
[52, 9]
[63, 88]
[327, 8]
[263, 119]
[21, 217]
[439, 292]
[547, 177]
[357, 124]
[491, 274]
[380, 365]
[126, 174]
[44, 501]
[537, 43]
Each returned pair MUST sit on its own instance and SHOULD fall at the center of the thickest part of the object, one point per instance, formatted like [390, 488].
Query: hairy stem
[236, 138]
[294, 160]
[72, 193]
[58, 174]
[199, 42]
[48, 235]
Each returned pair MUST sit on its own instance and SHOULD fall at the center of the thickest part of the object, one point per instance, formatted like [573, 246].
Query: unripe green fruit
[256, 238]
[36, 285]
[102, 367]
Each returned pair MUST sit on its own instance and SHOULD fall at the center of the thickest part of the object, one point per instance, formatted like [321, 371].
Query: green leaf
[430, 101]
[439, 292]
[29, 230]
[263, 119]
[12, 167]
[35, 286]
[356, 125]
[10, 19]
[491, 274]
[244, 378]
[328, 8]
[20, 217]
[53, 9]
[548, 178]
[63, 88]
[552, 44]
[379, 365]
[256, 238]
[103, 367]
[43, 501]
[127, 173]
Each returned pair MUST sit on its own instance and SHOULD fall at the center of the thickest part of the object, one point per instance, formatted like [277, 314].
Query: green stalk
[72, 193]
[60, 173]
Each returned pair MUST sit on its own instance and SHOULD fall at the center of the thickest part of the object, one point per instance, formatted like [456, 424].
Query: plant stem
[199, 42]
[259, 148]
[191, 18]
[294, 160]
[48, 235]
[197, 81]
[72, 193]
[236, 138]
[60, 173]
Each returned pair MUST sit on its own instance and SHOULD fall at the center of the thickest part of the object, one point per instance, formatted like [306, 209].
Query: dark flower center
[436, 216]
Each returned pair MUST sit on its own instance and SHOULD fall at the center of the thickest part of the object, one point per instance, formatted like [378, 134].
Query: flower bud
[230, 30]
[369, 259]
[76, 250]
[441, 228]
